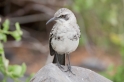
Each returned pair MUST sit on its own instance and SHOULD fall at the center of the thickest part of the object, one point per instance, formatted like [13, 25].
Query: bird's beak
[52, 19]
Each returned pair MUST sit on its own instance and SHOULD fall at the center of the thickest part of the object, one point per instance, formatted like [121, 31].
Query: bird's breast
[65, 42]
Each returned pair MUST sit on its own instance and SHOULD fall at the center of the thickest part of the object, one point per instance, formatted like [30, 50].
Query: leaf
[1, 62]
[6, 63]
[17, 71]
[16, 35]
[23, 69]
[3, 37]
[14, 71]
[18, 28]
[2, 66]
[1, 48]
[6, 25]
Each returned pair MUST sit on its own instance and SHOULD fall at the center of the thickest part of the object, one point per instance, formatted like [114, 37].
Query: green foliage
[12, 71]
[102, 18]
[104, 24]
[119, 71]
[16, 71]
[119, 40]
[118, 75]
[16, 34]
[80, 5]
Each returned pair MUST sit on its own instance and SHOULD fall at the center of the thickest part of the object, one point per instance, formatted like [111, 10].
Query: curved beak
[52, 19]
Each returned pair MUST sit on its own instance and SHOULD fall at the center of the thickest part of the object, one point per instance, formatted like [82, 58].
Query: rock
[51, 73]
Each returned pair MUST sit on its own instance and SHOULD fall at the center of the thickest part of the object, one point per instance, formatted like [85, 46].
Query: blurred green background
[101, 45]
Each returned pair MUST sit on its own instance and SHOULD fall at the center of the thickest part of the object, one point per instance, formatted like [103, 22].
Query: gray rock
[51, 73]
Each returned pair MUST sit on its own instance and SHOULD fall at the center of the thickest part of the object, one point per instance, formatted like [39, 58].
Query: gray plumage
[64, 36]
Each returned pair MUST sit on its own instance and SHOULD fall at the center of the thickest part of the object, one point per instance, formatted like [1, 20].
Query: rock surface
[51, 73]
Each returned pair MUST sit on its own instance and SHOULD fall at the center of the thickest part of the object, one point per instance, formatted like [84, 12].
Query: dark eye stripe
[64, 17]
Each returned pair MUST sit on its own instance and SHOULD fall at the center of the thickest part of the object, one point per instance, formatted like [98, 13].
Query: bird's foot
[69, 70]
[59, 65]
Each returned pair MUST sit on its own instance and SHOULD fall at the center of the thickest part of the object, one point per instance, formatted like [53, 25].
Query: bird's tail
[61, 59]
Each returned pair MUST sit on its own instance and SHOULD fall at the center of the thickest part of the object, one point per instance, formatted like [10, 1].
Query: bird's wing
[52, 52]
[77, 28]
[52, 33]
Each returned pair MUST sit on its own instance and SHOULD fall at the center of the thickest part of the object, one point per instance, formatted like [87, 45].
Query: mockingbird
[64, 36]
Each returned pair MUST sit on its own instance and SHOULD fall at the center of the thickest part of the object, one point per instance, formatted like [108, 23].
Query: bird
[64, 37]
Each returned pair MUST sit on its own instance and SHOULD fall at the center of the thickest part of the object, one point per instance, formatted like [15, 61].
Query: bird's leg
[68, 65]
[58, 64]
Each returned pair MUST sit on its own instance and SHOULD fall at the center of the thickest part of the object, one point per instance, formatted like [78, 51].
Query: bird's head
[62, 16]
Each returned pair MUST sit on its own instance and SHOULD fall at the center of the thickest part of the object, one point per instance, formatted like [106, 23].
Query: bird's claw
[60, 66]
[69, 69]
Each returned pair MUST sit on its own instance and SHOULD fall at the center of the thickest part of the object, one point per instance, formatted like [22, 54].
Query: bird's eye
[66, 17]
[62, 16]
